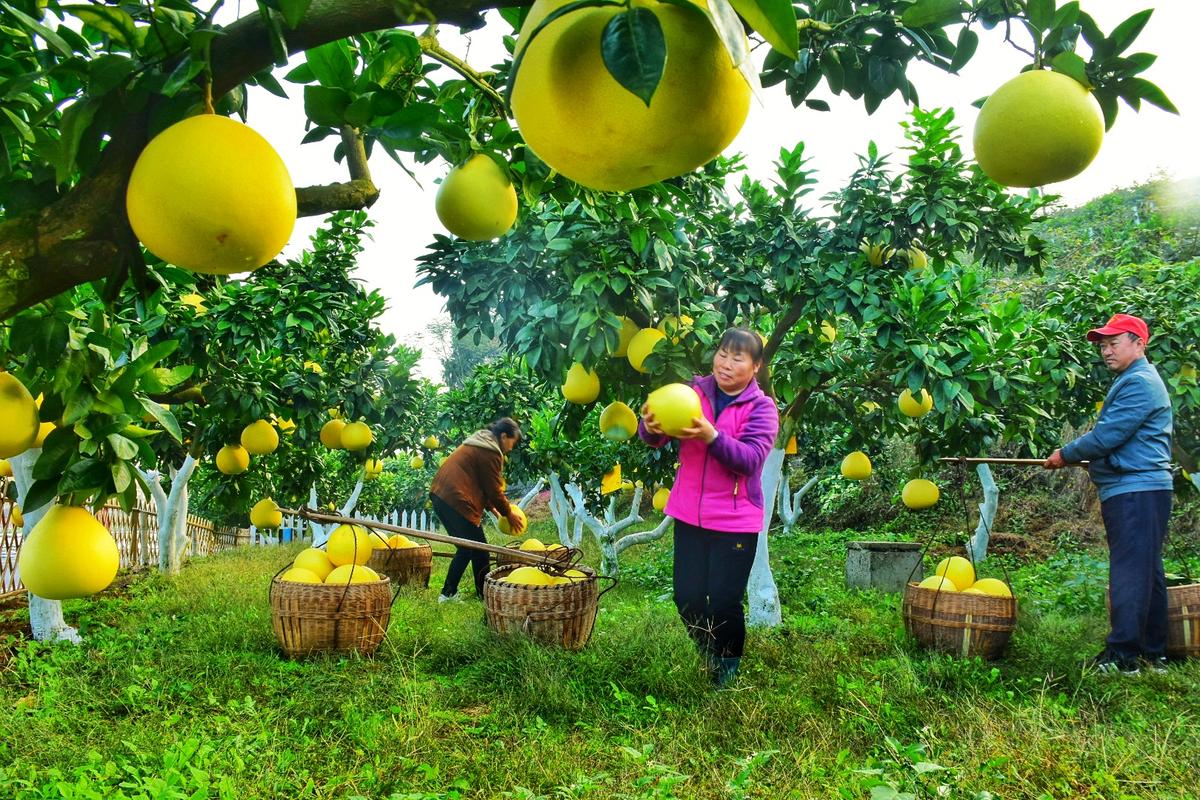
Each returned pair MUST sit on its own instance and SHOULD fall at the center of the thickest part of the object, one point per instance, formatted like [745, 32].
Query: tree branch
[78, 238]
[432, 48]
[359, 192]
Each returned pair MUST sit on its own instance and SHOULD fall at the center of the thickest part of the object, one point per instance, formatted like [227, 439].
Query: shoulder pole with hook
[520, 555]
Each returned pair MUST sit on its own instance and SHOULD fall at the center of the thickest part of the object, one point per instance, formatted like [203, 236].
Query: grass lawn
[180, 691]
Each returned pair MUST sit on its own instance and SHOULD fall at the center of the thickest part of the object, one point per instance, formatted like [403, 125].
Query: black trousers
[458, 525]
[711, 572]
[1136, 526]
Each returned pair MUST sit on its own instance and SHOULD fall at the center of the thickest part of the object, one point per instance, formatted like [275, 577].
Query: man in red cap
[1129, 459]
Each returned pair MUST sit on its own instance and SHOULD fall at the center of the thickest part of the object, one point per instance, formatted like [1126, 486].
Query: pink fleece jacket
[719, 485]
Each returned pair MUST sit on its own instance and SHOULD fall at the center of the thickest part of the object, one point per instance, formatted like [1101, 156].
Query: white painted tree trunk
[762, 591]
[320, 533]
[45, 616]
[607, 531]
[977, 546]
[570, 526]
[789, 503]
[172, 511]
[1196, 482]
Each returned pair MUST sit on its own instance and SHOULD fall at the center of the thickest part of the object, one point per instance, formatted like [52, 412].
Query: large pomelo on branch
[920, 493]
[211, 195]
[856, 466]
[266, 514]
[618, 422]
[260, 438]
[18, 417]
[356, 436]
[1041, 127]
[674, 406]
[629, 329]
[477, 200]
[68, 554]
[582, 385]
[641, 345]
[232, 459]
[578, 119]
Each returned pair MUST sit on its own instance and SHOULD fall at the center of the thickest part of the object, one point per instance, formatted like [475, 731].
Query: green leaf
[1072, 66]
[635, 51]
[122, 476]
[926, 13]
[332, 64]
[114, 22]
[1149, 92]
[1041, 13]
[123, 448]
[1124, 34]
[1108, 105]
[775, 21]
[325, 105]
[293, 11]
[968, 40]
[21, 125]
[42, 493]
[56, 42]
[728, 26]
[163, 417]
[58, 449]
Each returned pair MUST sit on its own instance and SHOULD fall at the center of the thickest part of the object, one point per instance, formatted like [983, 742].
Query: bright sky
[1139, 146]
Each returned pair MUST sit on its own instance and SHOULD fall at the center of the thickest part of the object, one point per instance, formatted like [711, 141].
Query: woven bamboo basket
[316, 617]
[960, 624]
[563, 554]
[1183, 621]
[561, 615]
[406, 566]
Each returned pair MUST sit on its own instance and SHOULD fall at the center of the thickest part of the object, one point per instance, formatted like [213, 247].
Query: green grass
[180, 691]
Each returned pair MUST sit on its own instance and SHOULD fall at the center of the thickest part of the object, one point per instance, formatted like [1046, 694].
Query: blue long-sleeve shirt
[1129, 450]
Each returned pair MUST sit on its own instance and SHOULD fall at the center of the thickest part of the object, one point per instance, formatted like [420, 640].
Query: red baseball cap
[1121, 323]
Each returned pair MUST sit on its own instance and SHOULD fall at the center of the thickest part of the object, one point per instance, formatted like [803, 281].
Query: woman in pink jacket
[717, 499]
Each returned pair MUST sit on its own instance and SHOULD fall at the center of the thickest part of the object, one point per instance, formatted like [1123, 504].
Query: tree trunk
[977, 546]
[45, 616]
[789, 503]
[570, 526]
[764, 594]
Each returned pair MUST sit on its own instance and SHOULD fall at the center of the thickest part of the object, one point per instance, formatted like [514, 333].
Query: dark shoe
[1109, 663]
[1155, 664]
[726, 671]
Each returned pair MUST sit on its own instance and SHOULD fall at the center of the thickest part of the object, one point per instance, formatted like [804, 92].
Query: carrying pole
[511, 552]
[1021, 462]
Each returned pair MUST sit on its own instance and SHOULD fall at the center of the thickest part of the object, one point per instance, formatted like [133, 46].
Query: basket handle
[607, 589]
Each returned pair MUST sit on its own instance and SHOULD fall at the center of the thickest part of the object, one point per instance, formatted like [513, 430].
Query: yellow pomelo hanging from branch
[582, 385]
[1040, 127]
[18, 417]
[266, 514]
[618, 422]
[910, 406]
[68, 554]
[211, 195]
[232, 459]
[856, 466]
[629, 329]
[477, 200]
[331, 434]
[260, 438]
[578, 119]
[356, 436]
[641, 345]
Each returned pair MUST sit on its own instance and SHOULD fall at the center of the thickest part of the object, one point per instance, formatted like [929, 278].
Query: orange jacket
[471, 480]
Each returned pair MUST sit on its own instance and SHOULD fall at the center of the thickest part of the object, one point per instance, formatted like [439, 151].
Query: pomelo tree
[896, 266]
[87, 85]
[155, 383]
